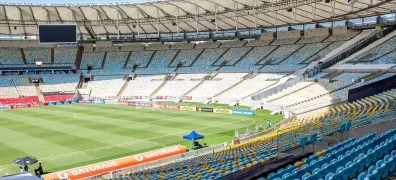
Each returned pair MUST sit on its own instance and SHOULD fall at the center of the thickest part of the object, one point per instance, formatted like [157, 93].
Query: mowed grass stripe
[182, 123]
[113, 126]
[56, 127]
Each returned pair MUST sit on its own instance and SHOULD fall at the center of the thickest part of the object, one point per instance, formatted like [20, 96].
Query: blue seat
[362, 176]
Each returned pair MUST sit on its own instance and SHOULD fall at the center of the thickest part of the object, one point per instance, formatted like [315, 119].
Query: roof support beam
[48, 14]
[93, 36]
[8, 21]
[57, 12]
[21, 22]
[31, 11]
[104, 12]
[123, 11]
[104, 26]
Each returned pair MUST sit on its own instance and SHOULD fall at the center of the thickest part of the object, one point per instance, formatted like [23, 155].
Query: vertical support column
[196, 19]
[216, 7]
[158, 33]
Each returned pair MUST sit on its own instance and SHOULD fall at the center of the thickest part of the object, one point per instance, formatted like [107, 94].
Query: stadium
[198, 89]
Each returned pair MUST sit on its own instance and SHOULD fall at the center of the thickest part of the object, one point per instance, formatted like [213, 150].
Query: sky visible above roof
[75, 1]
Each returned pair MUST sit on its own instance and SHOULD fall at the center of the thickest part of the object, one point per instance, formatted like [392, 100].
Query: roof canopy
[193, 136]
[183, 15]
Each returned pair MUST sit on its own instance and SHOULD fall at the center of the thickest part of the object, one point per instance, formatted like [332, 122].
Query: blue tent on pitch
[193, 136]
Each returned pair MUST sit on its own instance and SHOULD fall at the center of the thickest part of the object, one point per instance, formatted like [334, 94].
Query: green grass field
[68, 136]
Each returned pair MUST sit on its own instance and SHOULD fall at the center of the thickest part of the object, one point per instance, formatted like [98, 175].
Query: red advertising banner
[172, 107]
[113, 165]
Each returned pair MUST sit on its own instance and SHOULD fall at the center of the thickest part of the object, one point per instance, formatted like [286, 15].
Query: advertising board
[187, 108]
[222, 111]
[203, 109]
[243, 112]
[116, 164]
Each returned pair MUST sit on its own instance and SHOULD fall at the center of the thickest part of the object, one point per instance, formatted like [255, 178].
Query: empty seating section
[7, 88]
[180, 85]
[219, 83]
[106, 86]
[186, 57]
[342, 37]
[288, 91]
[10, 57]
[249, 86]
[58, 98]
[248, 63]
[65, 55]
[160, 62]
[325, 51]
[92, 59]
[342, 93]
[24, 87]
[349, 77]
[205, 61]
[305, 52]
[114, 63]
[281, 53]
[285, 41]
[233, 55]
[207, 45]
[182, 46]
[34, 54]
[230, 44]
[314, 39]
[367, 158]
[140, 58]
[59, 83]
[143, 85]
[374, 54]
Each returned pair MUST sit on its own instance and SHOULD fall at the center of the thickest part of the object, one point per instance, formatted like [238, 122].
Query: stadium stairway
[39, 93]
[126, 79]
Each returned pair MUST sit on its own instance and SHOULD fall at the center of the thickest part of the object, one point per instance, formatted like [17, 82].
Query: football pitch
[67, 136]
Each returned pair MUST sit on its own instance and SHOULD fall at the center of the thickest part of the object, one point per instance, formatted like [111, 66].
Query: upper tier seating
[106, 86]
[304, 53]
[186, 57]
[325, 51]
[250, 86]
[143, 85]
[10, 57]
[34, 54]
[248, 63]
[59, 83]
[204, 62]
[219, 83]
[381, 54]
[114, 63]
[232, 55]
[94, 59]
[140, 58]
[160, 62]
[180, 85]
[65, 55]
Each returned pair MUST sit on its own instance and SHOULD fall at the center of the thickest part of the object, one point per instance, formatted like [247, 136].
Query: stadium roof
[182, 15]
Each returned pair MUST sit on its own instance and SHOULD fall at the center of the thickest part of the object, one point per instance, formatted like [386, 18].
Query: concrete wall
[316, 32]
[288, 34]
[267, 36]
[23, 43]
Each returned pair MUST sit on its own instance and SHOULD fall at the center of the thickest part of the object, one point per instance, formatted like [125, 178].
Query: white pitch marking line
[127, 143]
[1, 170]
[6, 173]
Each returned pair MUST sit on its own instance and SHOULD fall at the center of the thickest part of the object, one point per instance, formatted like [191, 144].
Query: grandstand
[279, 90]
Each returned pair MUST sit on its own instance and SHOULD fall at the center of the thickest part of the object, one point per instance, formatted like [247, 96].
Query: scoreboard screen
[57, 33]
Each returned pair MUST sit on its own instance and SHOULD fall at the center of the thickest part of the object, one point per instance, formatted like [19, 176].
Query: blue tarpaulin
[193, 136]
